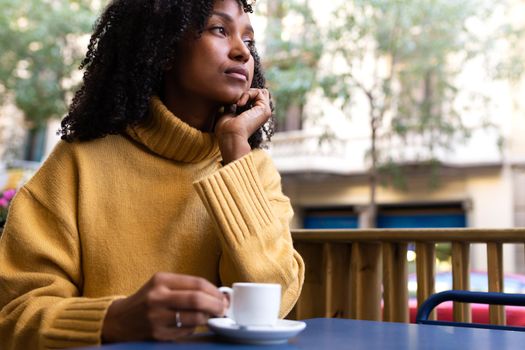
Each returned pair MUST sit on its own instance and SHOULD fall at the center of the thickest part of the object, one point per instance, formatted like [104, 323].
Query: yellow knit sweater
[99, 218]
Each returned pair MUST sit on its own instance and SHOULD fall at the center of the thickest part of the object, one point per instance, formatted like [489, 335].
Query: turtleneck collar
[170, 137]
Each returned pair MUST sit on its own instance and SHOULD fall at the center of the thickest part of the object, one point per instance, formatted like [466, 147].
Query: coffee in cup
[254, 304]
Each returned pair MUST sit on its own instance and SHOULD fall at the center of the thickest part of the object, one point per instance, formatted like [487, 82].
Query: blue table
[331, 333]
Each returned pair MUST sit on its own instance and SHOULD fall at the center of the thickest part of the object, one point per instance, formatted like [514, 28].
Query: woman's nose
[240, 51]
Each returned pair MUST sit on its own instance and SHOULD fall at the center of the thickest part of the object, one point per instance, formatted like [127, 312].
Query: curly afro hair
[132, 41]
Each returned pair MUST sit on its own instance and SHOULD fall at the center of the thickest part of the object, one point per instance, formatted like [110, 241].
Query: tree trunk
[372, 177]
[293, 119]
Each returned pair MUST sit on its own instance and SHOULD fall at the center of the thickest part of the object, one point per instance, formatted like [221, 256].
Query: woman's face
[217, 67]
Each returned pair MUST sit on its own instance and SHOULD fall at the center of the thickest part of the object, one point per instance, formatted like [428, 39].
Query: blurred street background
[390, 113]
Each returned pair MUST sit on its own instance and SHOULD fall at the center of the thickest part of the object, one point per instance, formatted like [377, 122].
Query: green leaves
[401, 60]
[405, 57]
[292, 50]
[40, 41]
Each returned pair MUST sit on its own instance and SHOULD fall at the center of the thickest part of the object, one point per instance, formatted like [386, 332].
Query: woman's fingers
[185, 300]
[245, 97]
[233, 131]
[256, 95]
[185, 282]
[188, 319]
[246, 123]
[180, 319]
[167, 306]
[260, 111]
[183, 292]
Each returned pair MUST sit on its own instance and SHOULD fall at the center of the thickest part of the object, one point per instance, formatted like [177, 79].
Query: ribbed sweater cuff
[77, 322]
[235, 197]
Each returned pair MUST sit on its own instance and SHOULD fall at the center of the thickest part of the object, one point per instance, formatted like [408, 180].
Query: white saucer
[277, 334]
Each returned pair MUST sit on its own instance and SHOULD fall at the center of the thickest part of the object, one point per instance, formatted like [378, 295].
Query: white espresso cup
[254, 304]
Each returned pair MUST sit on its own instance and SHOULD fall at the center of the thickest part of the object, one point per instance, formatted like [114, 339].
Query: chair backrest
[469, 297]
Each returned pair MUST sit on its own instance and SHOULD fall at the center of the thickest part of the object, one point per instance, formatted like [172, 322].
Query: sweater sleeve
[252, 215]
[41, 303]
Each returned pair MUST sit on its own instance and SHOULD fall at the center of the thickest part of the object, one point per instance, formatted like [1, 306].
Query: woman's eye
[249, 43]
[218, 30]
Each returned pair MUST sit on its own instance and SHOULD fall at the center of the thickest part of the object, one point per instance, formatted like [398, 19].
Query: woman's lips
[239, 73]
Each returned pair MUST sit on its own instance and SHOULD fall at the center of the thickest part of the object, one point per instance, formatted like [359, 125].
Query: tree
[40, 52]
[404, 57]
[292, 54]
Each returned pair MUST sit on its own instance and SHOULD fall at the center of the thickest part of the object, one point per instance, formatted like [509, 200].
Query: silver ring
[178, 322]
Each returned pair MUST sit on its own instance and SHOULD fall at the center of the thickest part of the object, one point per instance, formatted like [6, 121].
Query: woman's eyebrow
[229, 19]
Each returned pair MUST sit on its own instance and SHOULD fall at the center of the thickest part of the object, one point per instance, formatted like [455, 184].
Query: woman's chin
[231, 100]
[231, 97]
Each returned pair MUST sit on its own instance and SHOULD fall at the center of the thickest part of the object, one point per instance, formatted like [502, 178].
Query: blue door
[422, 218]
[335, 218]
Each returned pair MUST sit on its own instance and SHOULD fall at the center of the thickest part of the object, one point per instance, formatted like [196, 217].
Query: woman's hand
[233, 130]
[168, 306]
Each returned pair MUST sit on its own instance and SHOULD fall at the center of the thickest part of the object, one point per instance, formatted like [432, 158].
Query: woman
[159, 192]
